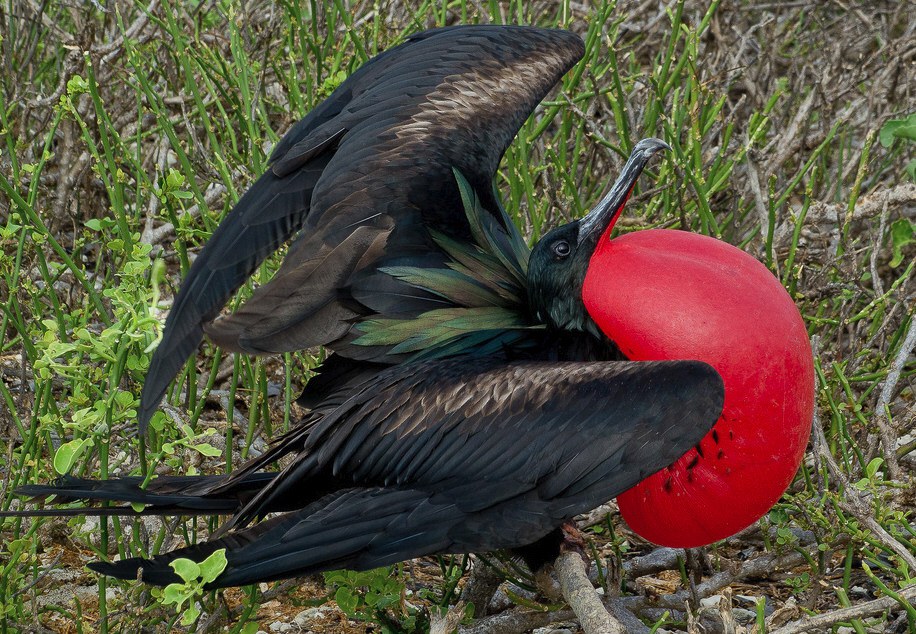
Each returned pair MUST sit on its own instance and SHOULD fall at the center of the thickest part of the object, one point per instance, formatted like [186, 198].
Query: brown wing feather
[459, 107]
[379, 152]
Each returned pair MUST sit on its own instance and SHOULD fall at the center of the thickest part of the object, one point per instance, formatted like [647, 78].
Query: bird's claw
[574, 541]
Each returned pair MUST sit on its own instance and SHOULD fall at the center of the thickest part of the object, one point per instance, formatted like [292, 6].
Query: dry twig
[449, 622]
[516, 621]
[888, 437]
[821, 622]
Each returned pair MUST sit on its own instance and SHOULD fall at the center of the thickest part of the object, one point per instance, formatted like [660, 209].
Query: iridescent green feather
[484, 281]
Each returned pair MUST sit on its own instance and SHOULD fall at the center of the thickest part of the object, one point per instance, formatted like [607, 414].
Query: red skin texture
[662, 294]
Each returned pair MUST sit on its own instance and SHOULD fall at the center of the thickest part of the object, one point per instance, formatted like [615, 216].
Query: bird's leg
[548, 585]
[572, 571]
[567, 539]
[564, 552]
[541, 557]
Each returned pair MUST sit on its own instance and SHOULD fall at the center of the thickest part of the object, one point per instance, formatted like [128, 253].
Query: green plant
[905, 130]
[194, 576]
[377, 596]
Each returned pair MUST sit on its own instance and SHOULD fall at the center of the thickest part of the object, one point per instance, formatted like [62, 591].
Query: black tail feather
[357, 529]
[185, 495]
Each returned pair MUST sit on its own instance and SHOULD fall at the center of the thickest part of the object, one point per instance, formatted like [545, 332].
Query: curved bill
[602, 218]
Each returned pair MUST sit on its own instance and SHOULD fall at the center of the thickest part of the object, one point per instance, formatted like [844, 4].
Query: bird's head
[661, 294]
[560, 260]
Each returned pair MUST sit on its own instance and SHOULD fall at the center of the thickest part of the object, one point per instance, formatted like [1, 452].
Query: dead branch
[654, 562]
[760, 568]
[823, 621]
[582, 598]
[630, 622]
[481, 585]
[516, 621]
[869, 206]
[596, 515]
[888, 437]
[790, 141]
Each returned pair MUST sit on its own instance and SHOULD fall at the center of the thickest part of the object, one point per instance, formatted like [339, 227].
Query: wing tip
[708, 380]
[151, 571]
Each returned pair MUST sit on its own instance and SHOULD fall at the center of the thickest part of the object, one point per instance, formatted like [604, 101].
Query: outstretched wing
[459, 455]
[366, 176]
[572, 430]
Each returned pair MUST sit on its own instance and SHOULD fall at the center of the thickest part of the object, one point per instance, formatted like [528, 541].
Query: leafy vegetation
[129, 129]
[194, 576]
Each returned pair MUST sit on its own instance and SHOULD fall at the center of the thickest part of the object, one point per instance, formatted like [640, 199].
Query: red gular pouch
[663, 294]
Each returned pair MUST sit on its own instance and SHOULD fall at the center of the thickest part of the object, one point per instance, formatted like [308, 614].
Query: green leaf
[186, 569]
[335, 577]
[176, 593]
[902, 234]
[872, 468]
[213, 566]
[15, 546]
[174, 179]
[76, 85]
[190, 615]
[207, 449]
[124, 399]
[346, 601]
[157, 422]
[898, 129]
[249, 628]
[68, 453]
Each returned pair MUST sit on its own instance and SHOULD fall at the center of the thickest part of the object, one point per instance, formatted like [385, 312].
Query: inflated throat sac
[663, 294]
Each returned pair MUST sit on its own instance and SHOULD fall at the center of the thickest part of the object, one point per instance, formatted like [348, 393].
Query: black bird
[472, 401]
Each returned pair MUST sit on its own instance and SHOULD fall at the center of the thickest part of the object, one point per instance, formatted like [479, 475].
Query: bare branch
[582, 598]
[449, 622]
[516, 621]
[870, 206]
[888, 437]
[823, 621]
[480, 587]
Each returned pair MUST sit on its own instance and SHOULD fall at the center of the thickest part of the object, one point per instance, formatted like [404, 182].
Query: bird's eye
[561, 248]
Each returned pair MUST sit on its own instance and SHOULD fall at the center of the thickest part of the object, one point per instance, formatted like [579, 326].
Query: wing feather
[378, 481]
[586, 431]
[378, 153]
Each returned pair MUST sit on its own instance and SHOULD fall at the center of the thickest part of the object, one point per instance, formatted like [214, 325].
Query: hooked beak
[602, 218]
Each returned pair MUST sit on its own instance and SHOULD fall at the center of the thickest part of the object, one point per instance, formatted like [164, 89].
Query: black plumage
[462, 409]
[454, 455]
[366, 176]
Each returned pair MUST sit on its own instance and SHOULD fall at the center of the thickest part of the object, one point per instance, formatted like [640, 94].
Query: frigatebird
[479, 394]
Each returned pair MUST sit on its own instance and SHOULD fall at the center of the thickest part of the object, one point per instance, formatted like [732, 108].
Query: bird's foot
[574, 541]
